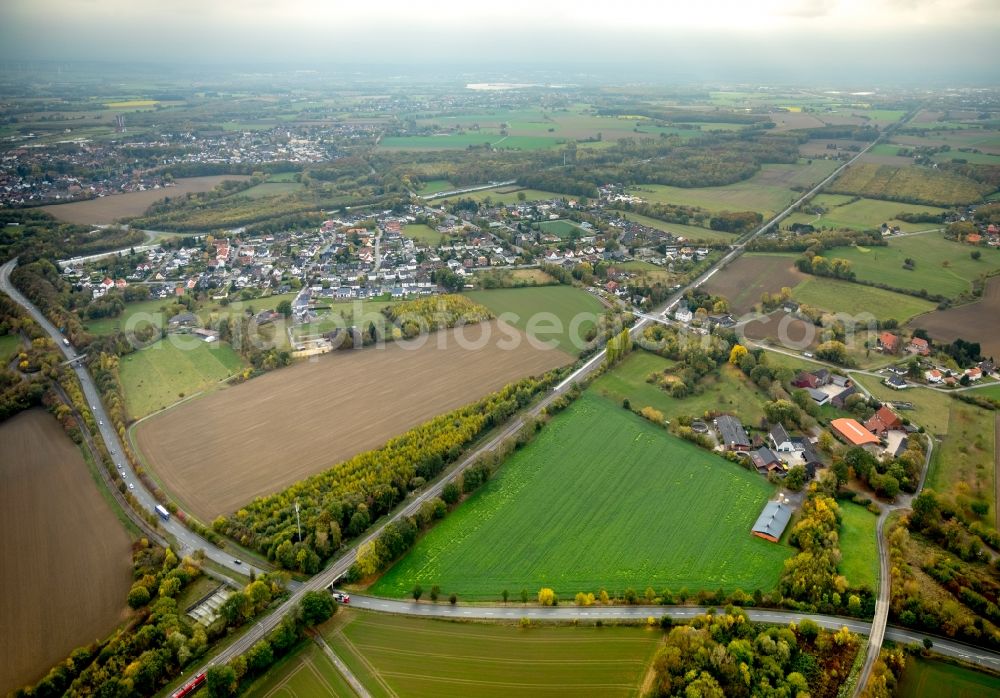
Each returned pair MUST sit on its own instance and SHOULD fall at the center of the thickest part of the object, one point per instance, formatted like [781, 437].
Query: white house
[683, 314]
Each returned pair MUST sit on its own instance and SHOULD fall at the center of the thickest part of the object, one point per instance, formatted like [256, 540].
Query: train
[190, 688]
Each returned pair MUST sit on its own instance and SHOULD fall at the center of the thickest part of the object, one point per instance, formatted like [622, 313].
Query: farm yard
[839, 296]
[744, 281]
[220, 451]
[109, 209]
[966, 321]
[173, 368]
[913, 183]
[843, 213]
[941, 266]
[924, 677]
[425, 658]
[65, 560]
[601, 498]
[524, 308]
[726, 391]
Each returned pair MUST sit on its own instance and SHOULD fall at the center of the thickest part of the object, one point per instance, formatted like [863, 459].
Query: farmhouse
[853, 433]
[884, 420]
[888, 343]
[734, 436]
[772, 521]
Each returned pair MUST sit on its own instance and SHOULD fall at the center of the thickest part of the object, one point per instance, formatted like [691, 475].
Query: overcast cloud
[721, 39]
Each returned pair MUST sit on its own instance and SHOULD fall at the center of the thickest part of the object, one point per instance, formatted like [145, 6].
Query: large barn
[772, 521]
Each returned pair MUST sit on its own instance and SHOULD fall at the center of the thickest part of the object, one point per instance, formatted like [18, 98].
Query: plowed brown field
[218, 452]
[64, 558]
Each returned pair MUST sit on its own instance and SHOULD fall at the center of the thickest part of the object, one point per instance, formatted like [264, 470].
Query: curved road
[188, 541]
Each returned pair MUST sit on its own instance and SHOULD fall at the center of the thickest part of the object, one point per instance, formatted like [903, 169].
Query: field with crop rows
[924, 677]
[912, 183]
[601, 498]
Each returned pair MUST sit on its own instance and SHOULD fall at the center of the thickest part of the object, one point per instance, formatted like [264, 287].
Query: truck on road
[162, 512]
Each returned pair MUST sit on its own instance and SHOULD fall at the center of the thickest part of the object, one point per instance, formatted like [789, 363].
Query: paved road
[187, 541]
[515, 611]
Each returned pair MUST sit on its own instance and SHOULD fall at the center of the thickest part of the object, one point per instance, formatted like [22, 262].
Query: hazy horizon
[833, 42]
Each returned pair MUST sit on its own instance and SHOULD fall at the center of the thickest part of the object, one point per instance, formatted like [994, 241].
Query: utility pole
[298, 522]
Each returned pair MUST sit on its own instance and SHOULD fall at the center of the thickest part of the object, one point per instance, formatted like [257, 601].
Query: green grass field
[562, 228]
[434, 186]
[992, 391]
[858, 545]
[930, 407]
[767, 192]
[426, 658]
[942, 266]
[134, 316]
[855, 299]
[924, 677]
[865, 214]
[461, 141]
[9, 345]
[726, 391]
[270, 188]
[549, 313]
[600, 498]
[306, 672]
[164, 372]
[691, 232]
[504, 196]
[423, 234]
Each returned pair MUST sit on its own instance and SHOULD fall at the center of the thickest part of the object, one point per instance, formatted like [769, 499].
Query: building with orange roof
[851, 431]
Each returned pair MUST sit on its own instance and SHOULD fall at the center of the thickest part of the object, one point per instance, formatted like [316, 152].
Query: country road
[515, 611]
[188, 541]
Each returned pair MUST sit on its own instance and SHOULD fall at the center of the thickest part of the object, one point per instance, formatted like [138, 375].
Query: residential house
[919, 346]
[683, 313]
[182, 322]
[818, 396]
[780, 439]
[766, 461]
[884, 420]
[888, 343]
[896, 382]
[974, 374]
[734, 436]
[840, 399]
[934, 376]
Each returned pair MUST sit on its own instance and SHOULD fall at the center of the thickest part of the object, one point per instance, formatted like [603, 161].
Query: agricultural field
[725, 391]
[423, 234]
[690, 232]
[923, 677]
[865, 214]
[109, 209]
[855, 299]
[434, 186]
[306, 672]
[912, 183]
[562, 314]
[461, 141]
[966, 321]
[601, 498]
[427, 658]
[270, 188]
[858, 545]
[744, 281]
[985, 140]
[65, 560]
[941, 266]
[992, 391]
[220, 451]
[767, 192]
[172, 369]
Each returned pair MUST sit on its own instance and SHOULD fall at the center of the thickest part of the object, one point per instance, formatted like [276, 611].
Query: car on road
[340, 596]
[237, 562]
[807, 354]
[100, 423]
[131, 485]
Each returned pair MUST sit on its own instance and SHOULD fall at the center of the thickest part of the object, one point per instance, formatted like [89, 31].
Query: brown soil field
[784, 331]
[109, 209]
[974, 322]
[65, 561]
[787, 121]
[745, 280]
[218, 452]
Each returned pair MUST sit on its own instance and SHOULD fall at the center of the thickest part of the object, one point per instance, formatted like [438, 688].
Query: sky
[909, 40]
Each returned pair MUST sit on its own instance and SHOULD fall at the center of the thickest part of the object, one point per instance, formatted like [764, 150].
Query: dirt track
[65, 563]
[108, 209]
[219, 452]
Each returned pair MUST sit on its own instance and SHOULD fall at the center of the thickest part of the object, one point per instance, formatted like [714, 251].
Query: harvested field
[784, 330]
[111, 208]
[220, 451]
[745, 280]
[967, 321]
[65, 563]
[914, 184]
